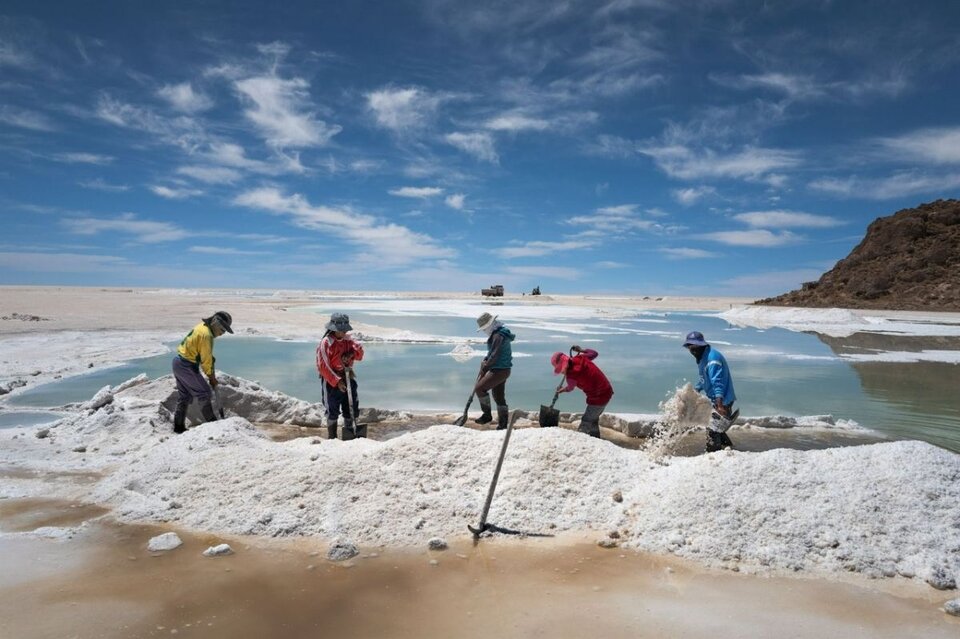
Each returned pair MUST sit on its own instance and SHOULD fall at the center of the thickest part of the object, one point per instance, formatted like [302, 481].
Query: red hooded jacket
[331, 354]
[585, 375]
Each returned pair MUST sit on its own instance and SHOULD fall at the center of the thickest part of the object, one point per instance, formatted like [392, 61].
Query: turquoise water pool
[775, 371]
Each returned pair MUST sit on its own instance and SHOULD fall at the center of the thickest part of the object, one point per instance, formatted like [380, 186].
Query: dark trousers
[337, 401]
[496, 380]
[190, 383]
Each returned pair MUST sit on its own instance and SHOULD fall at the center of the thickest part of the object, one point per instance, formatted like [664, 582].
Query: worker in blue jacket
[716, 383]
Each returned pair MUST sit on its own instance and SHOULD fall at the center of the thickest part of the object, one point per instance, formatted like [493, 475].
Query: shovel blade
[549, 416]
[358, 430]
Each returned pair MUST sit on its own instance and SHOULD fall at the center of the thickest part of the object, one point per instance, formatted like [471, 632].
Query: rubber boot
[589, 428]
[331, 429]
[486, 416]
[725, 441]
[180, 419]
[503, 415]
[714, 441]
[206, 409]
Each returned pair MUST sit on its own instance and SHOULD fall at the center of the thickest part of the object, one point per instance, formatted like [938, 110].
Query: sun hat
[695, 338]
[221, 319]
[339, 322]
[559, 361]
[485, 320]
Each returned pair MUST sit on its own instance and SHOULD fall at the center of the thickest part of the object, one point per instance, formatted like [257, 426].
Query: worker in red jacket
[335, 354]
[580, 372]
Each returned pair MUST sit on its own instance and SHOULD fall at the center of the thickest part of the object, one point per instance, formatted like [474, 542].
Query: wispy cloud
[145, 231]
[556, 272]
[26, 119]
[386, 244]
[889, 187]
[516, 122]
[404, 109]
[786, 219]
[279, 109]
[692, 195]
[687, 253]
[182, 97]
[421, 192]
[539, 248]
[933, 146]
[174, 193]
[99, 184]
[82, 158]
[613, 222]
[223, 250]
[479, 145]
[61, 262]
[694, 164]
[456, 201]
[759, 238]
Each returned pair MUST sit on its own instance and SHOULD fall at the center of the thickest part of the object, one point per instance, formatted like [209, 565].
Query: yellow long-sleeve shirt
[197, 347]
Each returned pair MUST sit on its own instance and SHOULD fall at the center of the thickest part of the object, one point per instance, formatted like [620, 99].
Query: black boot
[331, 429]
[486, 416]
[206, 409]
[714, 441]
[726, 441]
[590, 428]
[180, 419]
[503, 415]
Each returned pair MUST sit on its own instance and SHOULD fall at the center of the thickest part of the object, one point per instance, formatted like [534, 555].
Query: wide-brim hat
[339, 322]
[485, 320]
[559, 361]
[695, 338]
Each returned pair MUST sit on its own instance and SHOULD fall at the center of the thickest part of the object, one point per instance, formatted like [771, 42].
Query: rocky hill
[907, 261]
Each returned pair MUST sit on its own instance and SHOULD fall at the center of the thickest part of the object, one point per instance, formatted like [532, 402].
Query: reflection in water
[921, 399]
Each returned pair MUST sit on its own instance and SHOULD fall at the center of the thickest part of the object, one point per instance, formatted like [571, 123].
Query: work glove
[213, 381]
[561, 388]
[719, 407]
[342, 386]
[576, 349]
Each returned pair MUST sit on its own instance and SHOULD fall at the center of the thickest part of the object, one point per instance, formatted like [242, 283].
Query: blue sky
[620, 146]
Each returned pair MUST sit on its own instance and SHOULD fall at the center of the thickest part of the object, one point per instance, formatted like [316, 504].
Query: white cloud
[25, 119]
[279, 112]
[614, 222]
[612, 264]
[223, 250]
[145, 231]
[210, 174]
[479, 145]
[934, 146]
[516, 122]
[101, 185]
[755, 238]
[687, 253]
[456, 201]
[893, 186]
[82, 158]
[11, 56]
[786, 219]
[692, 195]
[403, 110]
[172, 193]
[182, 97]
[793, 86]
[384, 244]
[686, 163]
[538, 248]
[416, 191]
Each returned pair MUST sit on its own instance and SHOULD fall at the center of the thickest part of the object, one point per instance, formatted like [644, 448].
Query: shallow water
[775, 371]
[16, 419]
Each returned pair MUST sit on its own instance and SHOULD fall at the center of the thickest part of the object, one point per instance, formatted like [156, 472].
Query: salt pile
[880, 510]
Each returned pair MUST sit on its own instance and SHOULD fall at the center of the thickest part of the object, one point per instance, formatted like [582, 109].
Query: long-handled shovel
[460, 421]
[483, 525]
[216, 392]
[358, 429]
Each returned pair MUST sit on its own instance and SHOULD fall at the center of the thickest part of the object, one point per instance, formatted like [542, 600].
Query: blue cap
[695, 338]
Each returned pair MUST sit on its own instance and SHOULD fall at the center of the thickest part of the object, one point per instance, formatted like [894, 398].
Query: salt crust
[837, 322]
[882, 509]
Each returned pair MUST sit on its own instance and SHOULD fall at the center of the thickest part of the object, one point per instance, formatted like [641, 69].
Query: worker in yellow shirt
[194, 354]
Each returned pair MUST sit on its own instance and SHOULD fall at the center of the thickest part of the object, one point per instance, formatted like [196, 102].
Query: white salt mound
[882, 509]
[952, 607]
[341, 550]
[166, 541]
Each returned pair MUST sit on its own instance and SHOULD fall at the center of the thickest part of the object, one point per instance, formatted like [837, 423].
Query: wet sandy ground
[104, 583]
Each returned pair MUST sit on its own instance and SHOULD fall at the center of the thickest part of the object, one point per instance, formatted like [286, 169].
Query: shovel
[483, 526]
[550, 416]
[358, 430]
[460, 421]
[216, 393]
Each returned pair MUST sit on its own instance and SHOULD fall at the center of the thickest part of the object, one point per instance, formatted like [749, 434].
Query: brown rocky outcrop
[907, 261]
